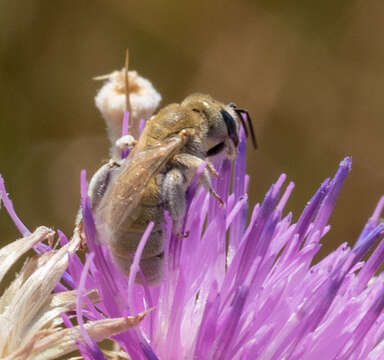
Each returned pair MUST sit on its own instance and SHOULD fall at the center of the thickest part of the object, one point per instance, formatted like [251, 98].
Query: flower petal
[51, 344]
[32, 296]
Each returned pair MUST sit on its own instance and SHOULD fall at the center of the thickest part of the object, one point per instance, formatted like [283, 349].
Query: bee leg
[174, 187]
[192, 163]
[96, 190]
[101, 180]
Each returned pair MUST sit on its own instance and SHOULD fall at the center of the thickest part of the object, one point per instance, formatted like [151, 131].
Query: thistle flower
[237, 291]
[232, 289]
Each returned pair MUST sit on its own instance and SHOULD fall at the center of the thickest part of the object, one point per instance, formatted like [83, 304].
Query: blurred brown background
[310, 73]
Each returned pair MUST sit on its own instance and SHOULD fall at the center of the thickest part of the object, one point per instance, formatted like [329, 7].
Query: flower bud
[111, 101]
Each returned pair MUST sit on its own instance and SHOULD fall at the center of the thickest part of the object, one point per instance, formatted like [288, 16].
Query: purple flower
[232, 289]
[238, 291]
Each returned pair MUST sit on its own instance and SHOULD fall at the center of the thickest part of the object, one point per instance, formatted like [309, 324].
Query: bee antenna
[243, 123]
[241, 112]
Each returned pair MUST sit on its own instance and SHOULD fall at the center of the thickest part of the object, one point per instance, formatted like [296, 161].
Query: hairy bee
[128, 194]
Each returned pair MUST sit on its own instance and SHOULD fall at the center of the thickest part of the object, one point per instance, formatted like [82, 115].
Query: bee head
[223, 123]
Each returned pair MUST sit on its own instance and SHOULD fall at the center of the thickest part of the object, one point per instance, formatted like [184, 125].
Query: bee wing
[118, 206]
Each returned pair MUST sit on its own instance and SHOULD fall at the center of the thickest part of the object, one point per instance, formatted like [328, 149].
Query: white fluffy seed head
[111, 101]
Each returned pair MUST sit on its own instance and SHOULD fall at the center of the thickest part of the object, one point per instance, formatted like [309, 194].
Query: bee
[129, 193]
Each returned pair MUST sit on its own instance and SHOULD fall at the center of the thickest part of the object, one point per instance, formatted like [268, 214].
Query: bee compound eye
[231, 126]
